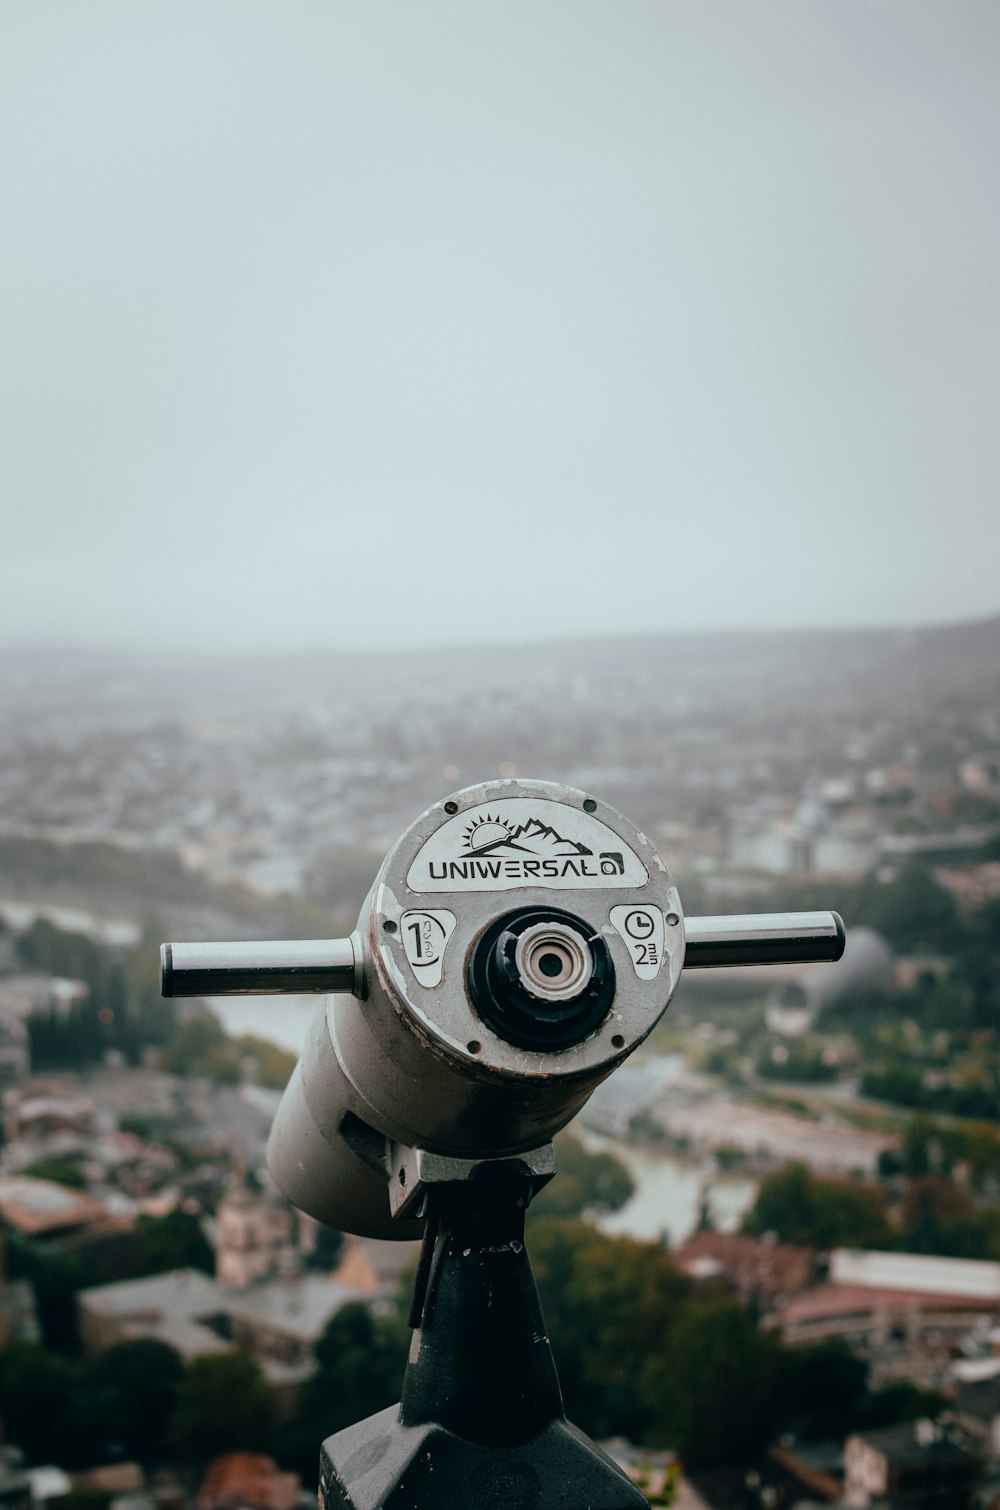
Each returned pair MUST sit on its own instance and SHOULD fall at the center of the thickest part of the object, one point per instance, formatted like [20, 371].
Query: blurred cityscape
[771, 1262]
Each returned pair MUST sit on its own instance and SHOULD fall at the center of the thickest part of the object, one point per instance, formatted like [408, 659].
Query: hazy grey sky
[328, 324]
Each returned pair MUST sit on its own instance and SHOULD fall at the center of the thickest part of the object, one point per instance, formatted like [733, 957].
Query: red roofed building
[763, 1274]
[247, 1481]
[903, 1312]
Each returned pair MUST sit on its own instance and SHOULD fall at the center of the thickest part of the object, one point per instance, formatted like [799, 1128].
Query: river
[669, 1191]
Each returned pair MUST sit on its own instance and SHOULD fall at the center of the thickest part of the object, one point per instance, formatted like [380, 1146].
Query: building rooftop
[832, 1300]
[373, 1264]
[298, 1307]
[194, 1313]
[35, 1207]
[247, 1478]
[752, 1265]
[914, 1444]
[174, 1307]
[979, 1399]
[917, 1272]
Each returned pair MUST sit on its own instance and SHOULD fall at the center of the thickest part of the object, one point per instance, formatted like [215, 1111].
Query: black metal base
[481, 1424]
[383, 1463]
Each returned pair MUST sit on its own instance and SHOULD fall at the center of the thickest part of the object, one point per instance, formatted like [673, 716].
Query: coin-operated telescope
[520, 940]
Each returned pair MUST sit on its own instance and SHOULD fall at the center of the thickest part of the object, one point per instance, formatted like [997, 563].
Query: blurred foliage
[274, 1064]
[223, 1404]
[136, 1400]
[712, 1391]
[912, 911]
[123, 1009]
[175, 1241]
[641, 1353]
[42, 1405]
[201, 1046]
[133, 1388]
[157, 880]
[796, 1059]
[55, 1278]
[609, 1303]
[97, 865]
[60, 1168]
[799, 1207]
[935, 1215]
[595, 1182]
[361, 1358]
[326, 1251]
[901, 1401]
[932, 1147]
[158, 1244]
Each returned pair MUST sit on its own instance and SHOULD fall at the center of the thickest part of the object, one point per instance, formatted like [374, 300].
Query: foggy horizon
[556, 637]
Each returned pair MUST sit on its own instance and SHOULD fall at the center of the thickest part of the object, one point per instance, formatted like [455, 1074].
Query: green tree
[200, 1046]
[901, 1401]
[326, 1251]
[58, 952]
[609, 1302]
[40, 1406]
[274, 1064]
[134, 1389]
[223, 1404]
[90, 1027]
[820, 1390]
[939, 1217]
[361, 1358]
[798, 1061]
[586, 1181]
[60, 1168]
[174, 1241]
[915, 913]
[712, 1389]
[151, 1019]
[917, 1147]
[55, 1278]
[898, 1082]
[801, 1208]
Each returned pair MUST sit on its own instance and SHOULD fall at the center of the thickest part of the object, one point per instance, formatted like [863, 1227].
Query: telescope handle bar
[280, 967]
[764, 938]
[273, 967]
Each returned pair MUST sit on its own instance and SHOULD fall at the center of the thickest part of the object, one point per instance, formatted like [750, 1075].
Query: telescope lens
[542, 979]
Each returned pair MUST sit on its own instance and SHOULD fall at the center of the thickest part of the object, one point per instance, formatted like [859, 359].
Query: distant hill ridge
[800, 665]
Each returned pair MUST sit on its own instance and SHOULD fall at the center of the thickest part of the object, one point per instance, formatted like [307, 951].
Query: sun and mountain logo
[498, 848]
[490, 833]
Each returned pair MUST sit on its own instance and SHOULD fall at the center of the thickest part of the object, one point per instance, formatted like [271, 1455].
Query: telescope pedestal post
[481, 1424]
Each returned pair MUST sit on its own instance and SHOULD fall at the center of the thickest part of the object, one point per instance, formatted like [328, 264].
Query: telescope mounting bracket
[416, 1172]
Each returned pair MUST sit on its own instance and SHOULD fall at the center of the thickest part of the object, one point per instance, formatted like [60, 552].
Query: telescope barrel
[271, 968]
[764, 938]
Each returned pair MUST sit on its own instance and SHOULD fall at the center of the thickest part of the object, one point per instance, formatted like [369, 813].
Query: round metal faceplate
[443, 1011]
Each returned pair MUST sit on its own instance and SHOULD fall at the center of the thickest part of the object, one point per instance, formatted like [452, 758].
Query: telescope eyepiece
[541, 978]
[551, 961]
